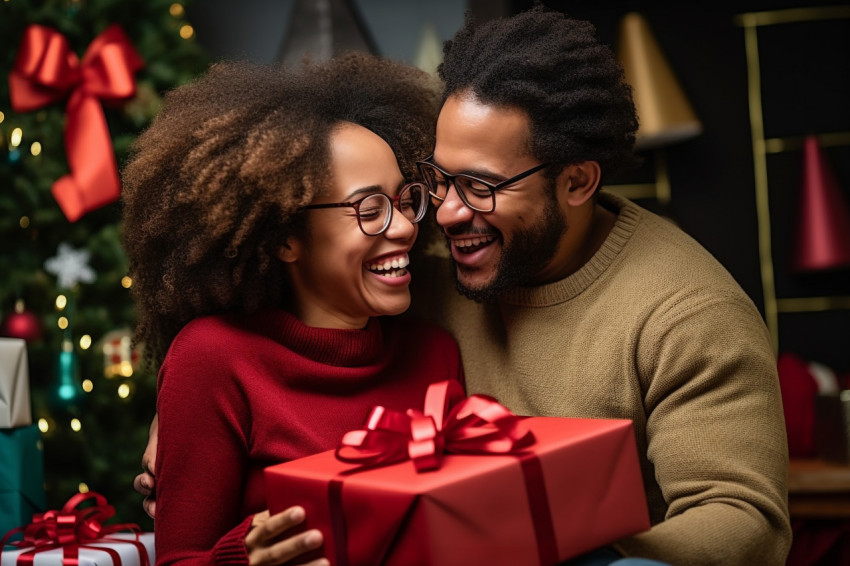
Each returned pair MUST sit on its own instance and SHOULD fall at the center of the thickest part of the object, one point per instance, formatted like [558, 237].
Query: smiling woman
[269, 216]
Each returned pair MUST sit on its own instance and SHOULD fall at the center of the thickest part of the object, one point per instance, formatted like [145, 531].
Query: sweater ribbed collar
[565, 289]
[331, 346]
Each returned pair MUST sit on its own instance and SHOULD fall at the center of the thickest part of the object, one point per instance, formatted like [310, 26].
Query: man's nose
[453, 210]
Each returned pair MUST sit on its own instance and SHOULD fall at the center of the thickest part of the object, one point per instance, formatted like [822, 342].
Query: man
[585, 305]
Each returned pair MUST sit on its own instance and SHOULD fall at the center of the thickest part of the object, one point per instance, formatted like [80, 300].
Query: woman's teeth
[391, 267]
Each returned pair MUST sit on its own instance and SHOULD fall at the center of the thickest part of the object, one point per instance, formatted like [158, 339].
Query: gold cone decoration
[321, 29]
[823, 225]
[429, 54]
[665, 115]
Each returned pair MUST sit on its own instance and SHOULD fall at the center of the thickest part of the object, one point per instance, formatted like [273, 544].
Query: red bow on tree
[47, 71]
[449, 423]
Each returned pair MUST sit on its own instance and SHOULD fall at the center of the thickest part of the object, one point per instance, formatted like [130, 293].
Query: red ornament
[22, 323]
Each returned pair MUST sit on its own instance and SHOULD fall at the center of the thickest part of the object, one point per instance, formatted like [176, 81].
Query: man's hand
[145, 483]
[265, 547]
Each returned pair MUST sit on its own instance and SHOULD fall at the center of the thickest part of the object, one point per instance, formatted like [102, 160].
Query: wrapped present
[14, 384]
[76, 536]
[473, 484]
[21, 476]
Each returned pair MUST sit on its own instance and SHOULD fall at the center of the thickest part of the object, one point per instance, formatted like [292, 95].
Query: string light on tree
[14, 142]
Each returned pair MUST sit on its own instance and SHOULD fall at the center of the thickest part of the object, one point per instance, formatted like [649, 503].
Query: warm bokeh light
[88, 385]
[83, 487]
[126, 281]
[85, 342]
[24, 221]
[43, 425]
[15, 139]
[187, 31]
[35, 148]
[61, 302]
[62, 322]
[176, 10]
[123, 390]
[76, 425]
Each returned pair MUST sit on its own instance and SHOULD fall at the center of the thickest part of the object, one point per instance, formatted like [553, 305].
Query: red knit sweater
[237, 394]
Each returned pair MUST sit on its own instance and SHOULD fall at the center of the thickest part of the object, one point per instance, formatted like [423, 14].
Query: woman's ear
[290, 251]
[578, 182]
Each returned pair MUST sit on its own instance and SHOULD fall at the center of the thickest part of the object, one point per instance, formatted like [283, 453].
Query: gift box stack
[22, 469]
[30, 536]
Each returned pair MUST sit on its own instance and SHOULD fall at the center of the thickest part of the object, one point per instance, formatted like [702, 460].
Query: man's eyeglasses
[375, 212]
[475, 193]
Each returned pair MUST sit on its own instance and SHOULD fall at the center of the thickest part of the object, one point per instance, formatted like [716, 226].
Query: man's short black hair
[555, 69]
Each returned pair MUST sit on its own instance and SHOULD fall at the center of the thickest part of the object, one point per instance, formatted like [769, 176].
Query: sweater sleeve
[201, 457]
[715, 436]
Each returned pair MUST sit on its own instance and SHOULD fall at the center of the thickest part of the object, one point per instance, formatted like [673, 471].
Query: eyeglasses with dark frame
[477, 194]
[374, 212]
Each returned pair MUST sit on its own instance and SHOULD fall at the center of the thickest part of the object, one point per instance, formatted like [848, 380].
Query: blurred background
[745, 137]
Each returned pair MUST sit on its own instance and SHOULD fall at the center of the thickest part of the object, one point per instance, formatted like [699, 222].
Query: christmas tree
[63, 285]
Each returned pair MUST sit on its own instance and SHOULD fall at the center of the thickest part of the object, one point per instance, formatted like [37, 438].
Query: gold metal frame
[761, 147]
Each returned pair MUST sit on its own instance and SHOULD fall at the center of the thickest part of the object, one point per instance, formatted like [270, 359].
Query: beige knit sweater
[655, 330]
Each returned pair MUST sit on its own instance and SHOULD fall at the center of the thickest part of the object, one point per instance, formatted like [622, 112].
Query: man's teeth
[474, 241]
[393, 267]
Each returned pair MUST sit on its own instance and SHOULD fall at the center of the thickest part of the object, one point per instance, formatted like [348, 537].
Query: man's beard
[529, 251]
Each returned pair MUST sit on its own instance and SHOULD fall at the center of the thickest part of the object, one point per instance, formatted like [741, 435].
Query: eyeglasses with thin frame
[374, 212]
[477, 194]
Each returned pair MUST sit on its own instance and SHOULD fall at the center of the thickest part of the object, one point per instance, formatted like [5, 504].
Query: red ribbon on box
[449, 423]
[46, 71]
[72, 528]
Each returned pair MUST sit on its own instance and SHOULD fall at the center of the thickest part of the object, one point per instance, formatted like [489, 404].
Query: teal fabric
[21, 476]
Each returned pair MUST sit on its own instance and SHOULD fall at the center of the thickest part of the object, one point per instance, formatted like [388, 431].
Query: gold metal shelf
[761, 147]
[813, 304]
[779, 145]
[792, 16]
[659, 190]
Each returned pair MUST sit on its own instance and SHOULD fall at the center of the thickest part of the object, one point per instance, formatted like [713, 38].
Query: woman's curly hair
[555, 69]
[212, 188]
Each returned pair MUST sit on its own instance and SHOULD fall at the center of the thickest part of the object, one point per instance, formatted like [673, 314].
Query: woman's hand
[263, 540]
[145, 483]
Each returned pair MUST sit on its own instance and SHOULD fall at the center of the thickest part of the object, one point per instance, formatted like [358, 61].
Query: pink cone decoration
[823, 235]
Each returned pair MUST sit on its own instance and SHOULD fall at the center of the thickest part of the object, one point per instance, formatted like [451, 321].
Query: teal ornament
[67, 391]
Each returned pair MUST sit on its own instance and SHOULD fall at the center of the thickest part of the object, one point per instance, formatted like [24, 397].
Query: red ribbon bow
[71, 528]
[46, 71]
[449, 423]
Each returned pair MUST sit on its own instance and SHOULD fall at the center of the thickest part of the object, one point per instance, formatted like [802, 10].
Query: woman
[268, 220]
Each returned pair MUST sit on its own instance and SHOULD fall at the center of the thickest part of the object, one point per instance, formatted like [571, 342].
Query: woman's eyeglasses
[375, 212]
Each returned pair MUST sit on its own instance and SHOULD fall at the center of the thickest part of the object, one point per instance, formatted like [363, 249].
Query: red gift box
[576, 487]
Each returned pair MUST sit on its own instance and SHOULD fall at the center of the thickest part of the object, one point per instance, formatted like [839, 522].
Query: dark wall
[805, 70]
[806, 80]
